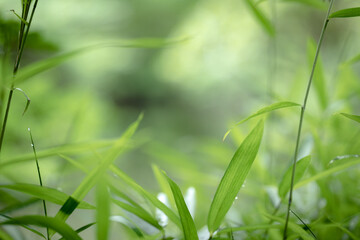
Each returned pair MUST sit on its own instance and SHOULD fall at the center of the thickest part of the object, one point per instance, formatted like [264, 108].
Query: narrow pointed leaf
[81, 229]
[27, 99]
[187, 222]
[161, 179]
[234, 177]
[342, 162]
[102, 210]
[26, 227]
[44, 193]
[352, 117]
[346, 13]
[94, 176]
[139, 212]
[47, 222]
[262, 19]
[264, 110]
[167, 211]
[300, 169]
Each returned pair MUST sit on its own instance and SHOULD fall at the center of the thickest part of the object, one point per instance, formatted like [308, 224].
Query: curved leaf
[44, 193]
[234, 177]
[352, 117]
[346, 13]
[187, 222]
[265, 23]
[300, 169]
[264, 110]
[48, 222]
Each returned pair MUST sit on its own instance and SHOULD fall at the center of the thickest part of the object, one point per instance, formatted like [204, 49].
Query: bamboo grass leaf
[167, 211]
[18, 205]
[338, 164]
[102, 210]
[18, 16]
[26, 227]
[28, 100]
[33, 69]
[187, 222]
[95, 175]
[81, 229]
[139, 212]
[346, 13]
[263, 20]
[294, 227]
[44, 193]
[161, 179]
[301, 167]
[50, 222]
[234, 177]
[264, 110]
[319, 77]
[129, 225]
[356, 118]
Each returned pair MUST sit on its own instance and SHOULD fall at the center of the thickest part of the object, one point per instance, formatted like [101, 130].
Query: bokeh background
[223, 65]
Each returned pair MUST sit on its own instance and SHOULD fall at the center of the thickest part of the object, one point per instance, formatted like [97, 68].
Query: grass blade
[167, 211]
[187, 222]
[94, 176]
[49, 222]
[265, 23]
[44, 193]
[102, 210]
[234, 177]
[264, 110]
[352, 117]
[346, 13]
[164, 186]
[81, 229]
[345, 162]
[301, 167]
[26, 227]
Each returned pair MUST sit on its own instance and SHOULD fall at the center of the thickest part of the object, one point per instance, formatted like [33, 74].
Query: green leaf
[81, 229]
[47, 222]
[234, 177]
[352, 117]
[300, 169]
[26, 227]
[346, 13]
[313, 3]
[319, 78]
[161, 179]
[33, 69]
[249, 228]
[140, 212]
[187, 222]
[102, 210]
[262, 19]
[353, 60]
[44, 193]
[294, 227]
[341, 163]
[131, 183]
[95, 175]
[264, 110]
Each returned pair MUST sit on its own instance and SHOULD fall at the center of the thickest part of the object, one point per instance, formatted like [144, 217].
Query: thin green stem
[24, 31]
[40, 178]
[303, 107]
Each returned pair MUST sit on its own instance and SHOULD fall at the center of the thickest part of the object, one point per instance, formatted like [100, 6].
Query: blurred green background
[191, 92]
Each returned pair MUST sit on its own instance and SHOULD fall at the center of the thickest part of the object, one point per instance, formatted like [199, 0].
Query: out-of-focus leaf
[318, 78]
[18, 205]
[262, 19]
[129, 225]
[352, 117]
[264, 110]
[167, 211]
[188, 225]
[294, 227]
[140, 212]
[161, 179]
[102, 210]
[249, 228]
[48, 222]
[26, 227]
[234, 177]
[312, 3]
[336, 165]
[93, 177]
[31, 70]
[300, 169]
[346, 13]
[81, 229]
[44, 193]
